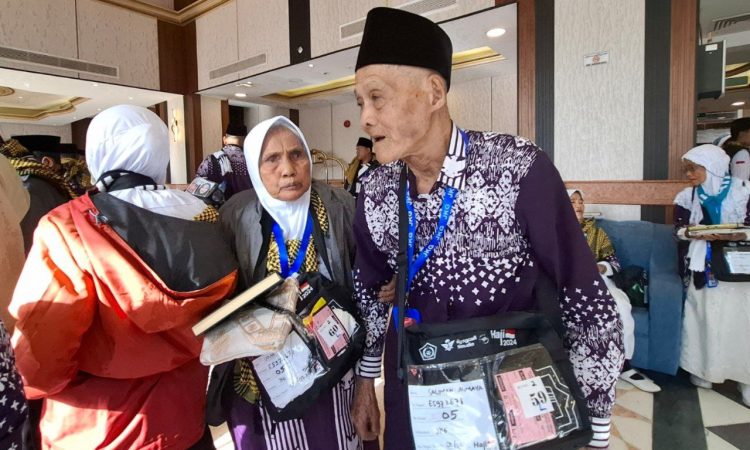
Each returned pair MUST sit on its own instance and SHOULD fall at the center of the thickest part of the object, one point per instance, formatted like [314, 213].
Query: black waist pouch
[500, 382]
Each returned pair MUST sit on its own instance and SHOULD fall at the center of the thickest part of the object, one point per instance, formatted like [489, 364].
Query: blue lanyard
[445, 213]
[278, 234]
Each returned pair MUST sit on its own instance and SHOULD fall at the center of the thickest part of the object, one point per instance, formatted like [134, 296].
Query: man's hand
[365, 412]
[387, 293]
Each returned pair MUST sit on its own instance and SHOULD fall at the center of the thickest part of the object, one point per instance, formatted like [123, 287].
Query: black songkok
[364, 142]
[236, 129]
[393, 36]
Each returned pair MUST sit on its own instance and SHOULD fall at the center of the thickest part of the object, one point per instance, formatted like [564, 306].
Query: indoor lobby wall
[598, 110]
[85, 30]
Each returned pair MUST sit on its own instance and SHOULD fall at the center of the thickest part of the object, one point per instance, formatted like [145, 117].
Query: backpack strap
[222, 160]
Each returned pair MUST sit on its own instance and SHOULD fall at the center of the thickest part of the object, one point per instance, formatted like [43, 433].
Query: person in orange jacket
[105, 303]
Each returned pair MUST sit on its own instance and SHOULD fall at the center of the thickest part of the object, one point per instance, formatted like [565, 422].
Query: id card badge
[411, 316]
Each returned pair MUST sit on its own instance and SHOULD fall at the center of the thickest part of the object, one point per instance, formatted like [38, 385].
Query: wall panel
[326, 18]
[117, 37]
[505, 104]
[470, 104]
[262, 29]
[211, 125]
[216, 36]
[598, 110]
[41, 26]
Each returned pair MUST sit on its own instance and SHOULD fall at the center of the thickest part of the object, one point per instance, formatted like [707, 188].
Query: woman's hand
[387, 293]
[365, 412]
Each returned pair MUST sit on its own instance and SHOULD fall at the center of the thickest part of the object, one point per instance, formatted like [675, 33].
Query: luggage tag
[327, 328]
[411, 317]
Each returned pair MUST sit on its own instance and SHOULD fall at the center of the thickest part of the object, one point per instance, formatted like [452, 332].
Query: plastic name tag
[288, 373]
[329, 330]
[452, 416]
[738, 260]
[527, 406]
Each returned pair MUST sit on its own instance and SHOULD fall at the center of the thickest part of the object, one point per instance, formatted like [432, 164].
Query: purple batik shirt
[511, 219]
[237, 180]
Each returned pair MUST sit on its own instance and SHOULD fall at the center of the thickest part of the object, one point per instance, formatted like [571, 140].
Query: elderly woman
[283, 198]
[608, 264]
[105, 302]
[717, 313]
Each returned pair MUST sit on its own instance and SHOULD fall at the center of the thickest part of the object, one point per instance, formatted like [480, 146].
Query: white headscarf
[291, 216]
[126, 137]
[716, 162]
[573, 191]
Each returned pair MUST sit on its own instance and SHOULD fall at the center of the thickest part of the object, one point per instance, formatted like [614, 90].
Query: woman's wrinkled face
[284, 166]
[578, 205]
[694, 173]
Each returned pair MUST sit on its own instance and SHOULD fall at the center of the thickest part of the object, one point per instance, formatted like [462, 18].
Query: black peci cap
[364, 142]
[393, 36]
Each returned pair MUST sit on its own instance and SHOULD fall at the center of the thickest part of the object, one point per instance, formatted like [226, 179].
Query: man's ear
[438, 90]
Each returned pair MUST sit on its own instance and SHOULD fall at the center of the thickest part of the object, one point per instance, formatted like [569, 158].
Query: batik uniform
[511, 219]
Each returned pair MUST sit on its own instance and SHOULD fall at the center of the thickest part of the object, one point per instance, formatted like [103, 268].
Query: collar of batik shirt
[454, 165]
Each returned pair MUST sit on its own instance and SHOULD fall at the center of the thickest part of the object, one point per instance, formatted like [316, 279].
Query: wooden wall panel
[682, 82]
[527, 69]
[654, 193]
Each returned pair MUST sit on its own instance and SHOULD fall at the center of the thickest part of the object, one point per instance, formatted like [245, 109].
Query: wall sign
[597, 58]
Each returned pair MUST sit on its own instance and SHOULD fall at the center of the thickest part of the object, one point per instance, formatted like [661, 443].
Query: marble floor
[680, 417]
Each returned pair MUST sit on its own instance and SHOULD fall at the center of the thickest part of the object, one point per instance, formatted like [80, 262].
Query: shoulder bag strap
[403, 269]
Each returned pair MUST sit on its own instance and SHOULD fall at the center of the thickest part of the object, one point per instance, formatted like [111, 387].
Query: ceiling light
[20, 97]
[738, 103]
[240, 95]
[26, 84]
[130, 98]
[94, 84]
[495, 32]
[311, 65]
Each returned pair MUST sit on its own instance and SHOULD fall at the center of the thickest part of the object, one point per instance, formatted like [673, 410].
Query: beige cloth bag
[255, 331]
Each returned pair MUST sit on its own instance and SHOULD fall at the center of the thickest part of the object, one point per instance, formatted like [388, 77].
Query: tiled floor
[681, 417]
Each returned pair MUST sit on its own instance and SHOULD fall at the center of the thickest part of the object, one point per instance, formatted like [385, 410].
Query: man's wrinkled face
[394, 108]
[284, 166]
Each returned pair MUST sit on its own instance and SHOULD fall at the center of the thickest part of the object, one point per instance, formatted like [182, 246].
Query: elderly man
[228, 166]
[362, 164]
[490, 215]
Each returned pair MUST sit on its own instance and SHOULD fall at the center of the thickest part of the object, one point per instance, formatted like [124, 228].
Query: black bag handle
[403, 268]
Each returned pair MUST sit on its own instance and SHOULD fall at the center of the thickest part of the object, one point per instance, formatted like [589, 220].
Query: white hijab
[716, 162]
[291, 216]
[127, 137]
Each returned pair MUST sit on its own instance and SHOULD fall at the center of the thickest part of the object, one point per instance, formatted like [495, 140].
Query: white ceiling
[100, 95]
[466, 33]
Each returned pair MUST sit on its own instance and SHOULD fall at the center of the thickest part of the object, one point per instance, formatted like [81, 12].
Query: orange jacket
[105, 342]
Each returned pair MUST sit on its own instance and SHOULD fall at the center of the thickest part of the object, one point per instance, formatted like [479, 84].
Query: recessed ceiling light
[495, 32]
[20, 97]
[98, 109]
[311, 65]
[26, 84]
[240, 94]
[738, 103]
[94, 84]
[130, 98]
